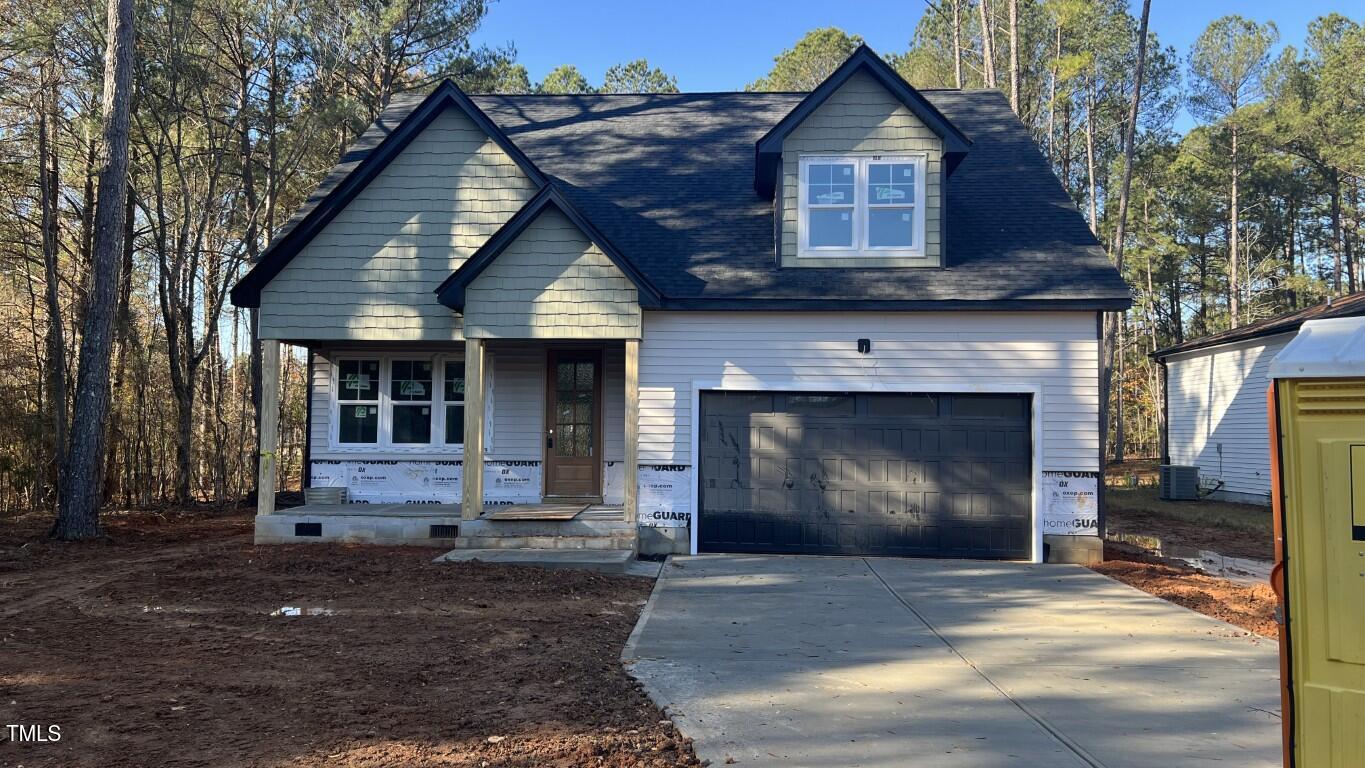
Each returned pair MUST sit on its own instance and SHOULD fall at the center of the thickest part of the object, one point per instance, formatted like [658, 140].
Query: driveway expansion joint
[1042, 722]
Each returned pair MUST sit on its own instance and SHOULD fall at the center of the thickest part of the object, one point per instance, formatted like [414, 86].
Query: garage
[839, 473]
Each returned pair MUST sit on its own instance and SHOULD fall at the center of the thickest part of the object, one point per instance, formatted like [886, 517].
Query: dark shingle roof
[1344, 306]
[668, 179]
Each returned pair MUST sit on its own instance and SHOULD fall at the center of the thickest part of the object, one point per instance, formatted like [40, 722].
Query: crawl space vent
[307, 529]
[444, 531]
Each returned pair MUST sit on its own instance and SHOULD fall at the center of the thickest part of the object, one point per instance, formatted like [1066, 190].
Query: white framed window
[357, 414]
[861, 205]
[406, 402]
[410, 401]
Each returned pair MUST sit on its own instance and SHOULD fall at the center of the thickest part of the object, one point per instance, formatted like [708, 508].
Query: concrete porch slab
[606, 561]
[419, 526]
[374, 510]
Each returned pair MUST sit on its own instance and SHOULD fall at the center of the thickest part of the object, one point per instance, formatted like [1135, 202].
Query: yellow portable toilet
[1317, 422]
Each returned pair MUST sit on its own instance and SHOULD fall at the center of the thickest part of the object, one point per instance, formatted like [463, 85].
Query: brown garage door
[933, 475]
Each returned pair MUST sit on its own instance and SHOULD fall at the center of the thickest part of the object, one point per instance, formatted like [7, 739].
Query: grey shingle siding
[552, 283]
[861, 117]
[370, 272]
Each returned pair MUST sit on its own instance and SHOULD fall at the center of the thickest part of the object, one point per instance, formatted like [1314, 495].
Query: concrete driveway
[767, 660]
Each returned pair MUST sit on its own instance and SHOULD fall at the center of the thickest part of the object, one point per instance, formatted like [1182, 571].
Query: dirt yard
[1251, 607]
[1234, 530]
[175, 642]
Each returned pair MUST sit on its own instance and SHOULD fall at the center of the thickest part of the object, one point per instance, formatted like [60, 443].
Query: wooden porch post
[632, 478]
[270, 426]
[472, 496]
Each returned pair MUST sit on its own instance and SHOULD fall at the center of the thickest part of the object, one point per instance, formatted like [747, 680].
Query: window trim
[431, 403]
[384, 442]
[861, 207]
[440, 439]
[339, 402]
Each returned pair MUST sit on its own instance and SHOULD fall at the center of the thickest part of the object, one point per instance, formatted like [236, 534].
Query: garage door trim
[902, 386]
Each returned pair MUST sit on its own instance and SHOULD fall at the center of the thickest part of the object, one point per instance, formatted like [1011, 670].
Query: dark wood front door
[573, 419]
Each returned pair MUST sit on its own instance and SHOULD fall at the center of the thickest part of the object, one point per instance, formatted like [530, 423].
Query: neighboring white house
[861, 320]
[1216, 413]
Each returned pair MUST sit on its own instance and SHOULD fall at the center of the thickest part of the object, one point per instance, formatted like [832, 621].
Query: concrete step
[528, 528]
[544, 542]
[606, 561]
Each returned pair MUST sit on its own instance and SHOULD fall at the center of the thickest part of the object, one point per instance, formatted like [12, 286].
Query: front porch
[494, 466]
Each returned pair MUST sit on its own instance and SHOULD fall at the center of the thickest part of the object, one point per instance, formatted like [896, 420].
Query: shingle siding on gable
[861, 117]
[552, 283]
[370, 273]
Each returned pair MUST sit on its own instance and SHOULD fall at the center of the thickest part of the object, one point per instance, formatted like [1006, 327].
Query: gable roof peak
[768, 150]
[345, 183]
[451, 292]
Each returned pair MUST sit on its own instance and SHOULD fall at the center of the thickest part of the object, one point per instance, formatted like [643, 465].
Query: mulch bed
[157, 646]
[1251, 607]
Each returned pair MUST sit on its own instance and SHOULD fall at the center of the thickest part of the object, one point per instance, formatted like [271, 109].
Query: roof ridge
[641, 93]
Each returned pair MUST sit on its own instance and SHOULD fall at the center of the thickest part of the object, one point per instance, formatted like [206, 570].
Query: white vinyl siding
[927, 351]
[1217, 399]
[517, 375]
[369, 274]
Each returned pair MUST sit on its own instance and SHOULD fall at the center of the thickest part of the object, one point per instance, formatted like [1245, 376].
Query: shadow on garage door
[914, 474]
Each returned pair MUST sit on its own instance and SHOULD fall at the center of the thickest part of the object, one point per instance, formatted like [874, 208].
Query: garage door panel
[866, 474]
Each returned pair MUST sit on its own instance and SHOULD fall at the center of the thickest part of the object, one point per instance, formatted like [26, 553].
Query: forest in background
[239, 107]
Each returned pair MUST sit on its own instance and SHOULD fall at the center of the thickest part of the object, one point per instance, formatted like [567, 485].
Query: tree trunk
[1090, 156]
[1066, 146]
[1014, 55]
[123, 325]
[1334, 198]
[957, 43]
[1119, 433]
[49, 189]
[1348, 252]
[1052, 100]
[1110, 328]
[1234, 278]
[987, 44]
[78, 513]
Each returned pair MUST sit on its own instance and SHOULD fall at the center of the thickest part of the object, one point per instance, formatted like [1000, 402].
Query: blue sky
[719, 45]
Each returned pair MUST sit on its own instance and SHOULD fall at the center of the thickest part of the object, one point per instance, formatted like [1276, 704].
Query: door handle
[550, 439]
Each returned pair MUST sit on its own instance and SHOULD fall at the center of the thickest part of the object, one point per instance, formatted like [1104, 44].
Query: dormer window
[861, 206]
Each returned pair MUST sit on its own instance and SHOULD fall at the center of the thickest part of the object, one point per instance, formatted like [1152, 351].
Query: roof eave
[1097, 304]
[1209, 343]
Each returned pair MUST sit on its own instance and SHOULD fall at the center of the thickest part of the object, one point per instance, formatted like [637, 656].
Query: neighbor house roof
[1345, 306]
[667, 179]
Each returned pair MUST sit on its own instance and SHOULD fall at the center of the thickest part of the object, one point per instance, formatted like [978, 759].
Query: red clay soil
[1251, 607]
[158, 647]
